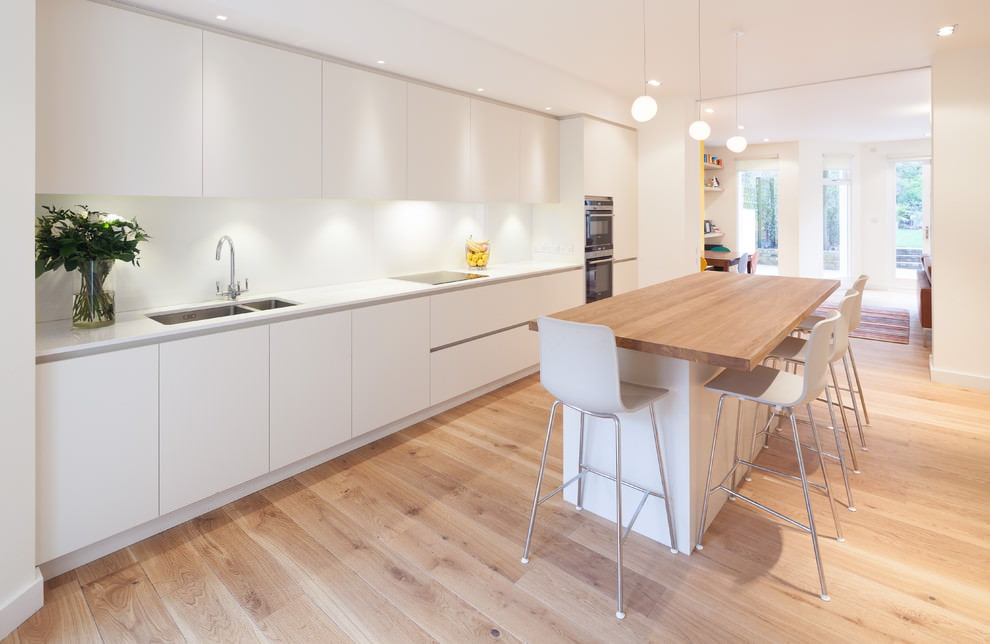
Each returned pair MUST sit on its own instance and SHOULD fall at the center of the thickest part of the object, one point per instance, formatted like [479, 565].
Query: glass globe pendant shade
[736, 143]
[644, 108]
[699, 130]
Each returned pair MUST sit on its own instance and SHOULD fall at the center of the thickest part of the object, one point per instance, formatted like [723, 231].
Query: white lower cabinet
[97, 442]
[469, 365]
[625, 276]
[391, 362]
[213, 414]
[309, 386]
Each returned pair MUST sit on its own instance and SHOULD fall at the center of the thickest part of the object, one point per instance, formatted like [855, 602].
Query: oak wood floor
[418, 537]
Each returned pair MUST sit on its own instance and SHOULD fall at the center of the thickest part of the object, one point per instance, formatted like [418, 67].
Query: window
[836, 207]
[911, 201]
[757, 212]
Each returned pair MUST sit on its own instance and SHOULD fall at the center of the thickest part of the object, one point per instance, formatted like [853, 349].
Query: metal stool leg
[845, 419]
[663, 482]
[580, 498]
[618, 518]
[838, 450]
[807, 503]
[708, 479]
[859, 388]
[539, 482]
[855, 405]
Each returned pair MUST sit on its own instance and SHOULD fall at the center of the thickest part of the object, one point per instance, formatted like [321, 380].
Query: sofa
[925, 295]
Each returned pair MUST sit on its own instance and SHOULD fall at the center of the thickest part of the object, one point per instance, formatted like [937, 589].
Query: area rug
[886, 325]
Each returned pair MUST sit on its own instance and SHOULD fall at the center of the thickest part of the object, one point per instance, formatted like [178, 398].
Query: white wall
[960, 301]
[284, 244]
[20, 584]
[669, 194]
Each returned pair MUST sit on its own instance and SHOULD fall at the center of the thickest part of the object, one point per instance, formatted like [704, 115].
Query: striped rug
[887, 325]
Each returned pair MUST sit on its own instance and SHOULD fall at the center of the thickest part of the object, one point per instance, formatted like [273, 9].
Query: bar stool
[854, 320]
[579, 366]
[793, 351]
[783, 392]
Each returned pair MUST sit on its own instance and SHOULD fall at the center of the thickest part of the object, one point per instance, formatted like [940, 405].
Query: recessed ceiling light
[548, 108]
[221, 18]
[947, 30]
[766, 140]
[740, 127]
[481, 89]
[654, 82]
[709, 110]
[380, 62]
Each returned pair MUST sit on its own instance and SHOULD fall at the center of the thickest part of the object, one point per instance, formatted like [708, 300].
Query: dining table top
[723, 319]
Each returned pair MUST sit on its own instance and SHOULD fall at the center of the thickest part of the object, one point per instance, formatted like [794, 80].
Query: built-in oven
[597, 221]
[598, 248]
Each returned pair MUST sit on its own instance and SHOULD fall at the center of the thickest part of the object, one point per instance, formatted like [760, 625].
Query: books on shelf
[711, 159]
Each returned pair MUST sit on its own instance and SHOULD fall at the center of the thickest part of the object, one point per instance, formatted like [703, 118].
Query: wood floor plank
[64, 617]
[358, 609]
[170, 560]
[246, 569]
[127, 608]
[435, 608]
[301, 622]
[205, 611]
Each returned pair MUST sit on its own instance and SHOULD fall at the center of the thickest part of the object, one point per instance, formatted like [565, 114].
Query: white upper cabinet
[438, 145]
[494, 152]
[539, 159]
[364, 134]
[610, 168]
[262, 121]
[119, 106]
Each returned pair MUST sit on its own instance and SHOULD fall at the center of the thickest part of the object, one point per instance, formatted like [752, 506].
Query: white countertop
[58, 340]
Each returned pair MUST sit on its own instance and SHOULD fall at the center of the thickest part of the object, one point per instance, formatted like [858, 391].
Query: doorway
[757, 216]
[912, 215]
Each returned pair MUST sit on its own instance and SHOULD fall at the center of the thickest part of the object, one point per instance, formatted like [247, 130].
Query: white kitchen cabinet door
[309, 385]
[119, 107]
[391, 362]
[494, 153]
[364, 134]
[469, 312]
[262, 120]
[610, 159]
[97, 424]
[213, 414]
[438, 145]
[539, 159]
[460, 368]
[625, 276]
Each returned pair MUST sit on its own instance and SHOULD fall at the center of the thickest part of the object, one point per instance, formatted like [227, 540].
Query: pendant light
[699, 130]
[644, 108]
[737, 143]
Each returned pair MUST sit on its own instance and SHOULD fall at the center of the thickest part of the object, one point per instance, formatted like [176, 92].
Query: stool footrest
[783, 517]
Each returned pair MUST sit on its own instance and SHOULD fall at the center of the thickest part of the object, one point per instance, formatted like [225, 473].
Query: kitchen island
[677, 334]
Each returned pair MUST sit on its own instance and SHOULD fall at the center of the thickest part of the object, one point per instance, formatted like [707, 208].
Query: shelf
[713, 166]
[711, 189]
[713, 235]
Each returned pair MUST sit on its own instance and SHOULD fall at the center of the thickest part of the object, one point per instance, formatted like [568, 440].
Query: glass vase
[93, 302]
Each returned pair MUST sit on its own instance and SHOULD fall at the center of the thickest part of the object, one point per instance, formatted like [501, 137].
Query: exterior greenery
[759, 193]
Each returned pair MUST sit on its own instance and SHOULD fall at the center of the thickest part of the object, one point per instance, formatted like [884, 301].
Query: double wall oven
[597, 247]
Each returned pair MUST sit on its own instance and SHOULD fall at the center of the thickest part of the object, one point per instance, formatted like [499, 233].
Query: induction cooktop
[439, 277]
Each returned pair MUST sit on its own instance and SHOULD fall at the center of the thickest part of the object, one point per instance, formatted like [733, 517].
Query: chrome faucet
[234, 287]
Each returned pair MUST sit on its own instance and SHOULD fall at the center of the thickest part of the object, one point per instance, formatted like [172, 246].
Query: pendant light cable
[699, 130]
[737, 143]
[644, 108]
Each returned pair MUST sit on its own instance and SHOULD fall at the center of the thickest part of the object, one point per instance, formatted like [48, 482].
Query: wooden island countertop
[722, 319]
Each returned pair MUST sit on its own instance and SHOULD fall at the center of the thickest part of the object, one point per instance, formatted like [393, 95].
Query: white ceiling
[848, 70]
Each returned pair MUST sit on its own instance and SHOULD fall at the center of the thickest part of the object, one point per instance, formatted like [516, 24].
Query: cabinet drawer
[469, 365]
[471, 312]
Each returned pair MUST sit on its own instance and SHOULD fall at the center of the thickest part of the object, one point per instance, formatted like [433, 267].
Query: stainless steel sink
[205, 313]
[268, 304]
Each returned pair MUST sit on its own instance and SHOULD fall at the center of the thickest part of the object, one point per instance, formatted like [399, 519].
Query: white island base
[686, 418]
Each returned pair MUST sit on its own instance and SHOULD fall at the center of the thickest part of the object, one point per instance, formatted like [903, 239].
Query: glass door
[836, 205]
[912, 215]
[757, 216]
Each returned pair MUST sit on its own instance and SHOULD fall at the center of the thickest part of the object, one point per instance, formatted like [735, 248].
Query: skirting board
[22, 605]
[102, 548]
[967, 380]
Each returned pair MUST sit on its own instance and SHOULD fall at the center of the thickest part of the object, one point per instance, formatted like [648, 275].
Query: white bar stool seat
[579, 366]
